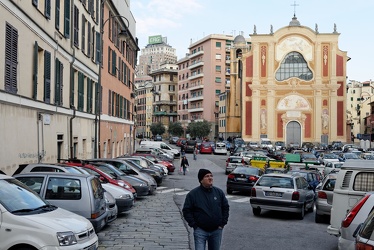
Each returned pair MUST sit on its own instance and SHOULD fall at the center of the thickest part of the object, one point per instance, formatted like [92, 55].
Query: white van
[354, 180]
[161, 145]
[29, 222]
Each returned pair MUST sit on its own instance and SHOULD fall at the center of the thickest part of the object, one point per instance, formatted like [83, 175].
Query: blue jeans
[213, 238]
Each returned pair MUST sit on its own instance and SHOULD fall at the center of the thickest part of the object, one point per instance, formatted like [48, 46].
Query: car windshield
[338, 165]
[275, 181]
[235, 160]
[330, 156]
[350, 156]
[245, 170]
[309, 156]
[16, 197]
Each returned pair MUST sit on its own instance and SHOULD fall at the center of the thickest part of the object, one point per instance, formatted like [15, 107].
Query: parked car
[253, 144]
[311, 176]
[156, 151]
[332, 167]
[146, 168]
[78, 193]
[141, 187]
[155, 159]
[242, 179]
[232, 162]
[279, 145]
[206, 148]
[347, 156]
[220, 149]
[327, 157]
[173, 139]
[275, 170]
[158, 138]
[31, 222]
[153, 165]
[190, 146]
[357, 215]
[364, 234]
[353, 181]
[282, 192]
[324, 197]
[131, 169]
[181, 141]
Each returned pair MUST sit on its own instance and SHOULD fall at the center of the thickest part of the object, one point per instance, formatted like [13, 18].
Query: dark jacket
[206, 208]
[184, 162]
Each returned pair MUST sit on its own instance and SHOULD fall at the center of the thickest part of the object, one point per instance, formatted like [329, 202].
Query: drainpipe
[71, 134]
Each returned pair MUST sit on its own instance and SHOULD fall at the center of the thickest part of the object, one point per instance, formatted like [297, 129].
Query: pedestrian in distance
[183, 149]
[206, 210]
[184, 165]
[195, 151]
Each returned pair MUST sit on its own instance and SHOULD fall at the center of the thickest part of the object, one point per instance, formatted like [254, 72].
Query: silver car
[282, 192]
[325, 193]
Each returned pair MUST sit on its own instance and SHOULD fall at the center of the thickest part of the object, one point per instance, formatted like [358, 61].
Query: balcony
[196, 98]
[195, 65]
[201, 52]
[196, 76]
[195, 110]
[200, 86]
[164, 102]
[165, 113]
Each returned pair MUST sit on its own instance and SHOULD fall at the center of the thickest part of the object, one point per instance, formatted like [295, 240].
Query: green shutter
[35, 72]
[80, 91]
[114, 62]
[98, 50]
[47, 9]
[57, 14]
[47, 76]
[67, 19]
[57, 82]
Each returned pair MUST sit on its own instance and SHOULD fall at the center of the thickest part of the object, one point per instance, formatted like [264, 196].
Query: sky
[186, 21]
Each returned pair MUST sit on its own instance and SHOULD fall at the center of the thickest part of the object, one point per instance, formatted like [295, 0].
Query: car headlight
[125, 196]
[124, 185]
[66, 238]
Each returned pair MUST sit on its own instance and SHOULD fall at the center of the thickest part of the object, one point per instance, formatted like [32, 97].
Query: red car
[206, 148]
[104, 176]
[155, 159]
[181, 141]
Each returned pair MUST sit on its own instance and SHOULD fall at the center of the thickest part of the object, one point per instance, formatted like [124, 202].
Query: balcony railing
[196, 76]
[195, 110]
[196, 98]
[201, 52]
[195, 65]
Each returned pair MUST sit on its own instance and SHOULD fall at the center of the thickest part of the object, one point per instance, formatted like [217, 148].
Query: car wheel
[226, 172]
[318, 218]
[229, 191]
[302, 213]
[256, 211]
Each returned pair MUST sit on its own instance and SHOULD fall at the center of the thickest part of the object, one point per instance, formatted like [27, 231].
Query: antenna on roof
[294, 8]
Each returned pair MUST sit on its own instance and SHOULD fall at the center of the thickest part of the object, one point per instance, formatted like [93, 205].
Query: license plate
[275, 194]
[241, 179]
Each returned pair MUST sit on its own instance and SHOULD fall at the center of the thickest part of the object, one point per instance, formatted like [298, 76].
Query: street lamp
[123, 33]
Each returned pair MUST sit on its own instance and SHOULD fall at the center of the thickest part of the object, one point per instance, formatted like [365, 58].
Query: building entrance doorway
[293, 133]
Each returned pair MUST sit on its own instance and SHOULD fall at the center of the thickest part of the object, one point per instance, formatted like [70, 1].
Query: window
[218, 79]
[57, 13]
[63, 189]
[59, 67]
[80, 91]
[83, 40]
[76, 26]
[218, 44]
[218, 68]
[67, 19]
[364, 181]
[294, 65]
[218, 91]
[11, 59]
[218, 56]
[89, 94]
[47, 76]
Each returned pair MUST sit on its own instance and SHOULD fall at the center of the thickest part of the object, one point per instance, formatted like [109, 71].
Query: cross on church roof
[294, 8]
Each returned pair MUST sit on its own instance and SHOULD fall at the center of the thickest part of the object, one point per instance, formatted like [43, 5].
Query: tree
[175, 128]
[199, 129]
[157, 128]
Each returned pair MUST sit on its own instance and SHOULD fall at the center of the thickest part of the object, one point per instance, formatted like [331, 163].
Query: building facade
[165, 83]
[203, 76]
[293, 86]
[50, 102]
[156, 53]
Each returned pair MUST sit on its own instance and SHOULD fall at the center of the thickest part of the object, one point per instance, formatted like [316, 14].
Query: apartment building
[117, 129]
[51, 99]
[165, 83]
[155, 53]
[203, 76]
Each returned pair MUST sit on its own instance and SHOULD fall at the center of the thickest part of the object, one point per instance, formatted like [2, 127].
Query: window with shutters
[44, 6]
[57, 14]
[98, 56]
[35, 71]
[59, 76]
[113, 103]
[83, 33]
[114, 63]
[89, 95]
[47, 77]
[76, 26]
[80, 91]
[89, 39]
[67, 18]
[11, 59]
[109, 102]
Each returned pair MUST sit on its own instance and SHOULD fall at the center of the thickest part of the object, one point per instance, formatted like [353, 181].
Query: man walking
[206, 209]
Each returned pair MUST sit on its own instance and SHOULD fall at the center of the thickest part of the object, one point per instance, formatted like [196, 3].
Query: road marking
[182, 193]
[171, 190]
[242, 200]
[160, 188]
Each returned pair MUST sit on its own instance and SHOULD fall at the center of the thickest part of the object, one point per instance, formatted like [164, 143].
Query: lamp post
[123, 33]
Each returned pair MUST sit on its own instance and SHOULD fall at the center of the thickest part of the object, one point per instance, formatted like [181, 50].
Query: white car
[220, 148]
[30, 221]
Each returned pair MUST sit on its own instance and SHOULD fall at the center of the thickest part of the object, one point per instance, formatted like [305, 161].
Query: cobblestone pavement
[155, 222]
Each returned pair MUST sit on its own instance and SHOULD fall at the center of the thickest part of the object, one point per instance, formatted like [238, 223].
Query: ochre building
[290, 85]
